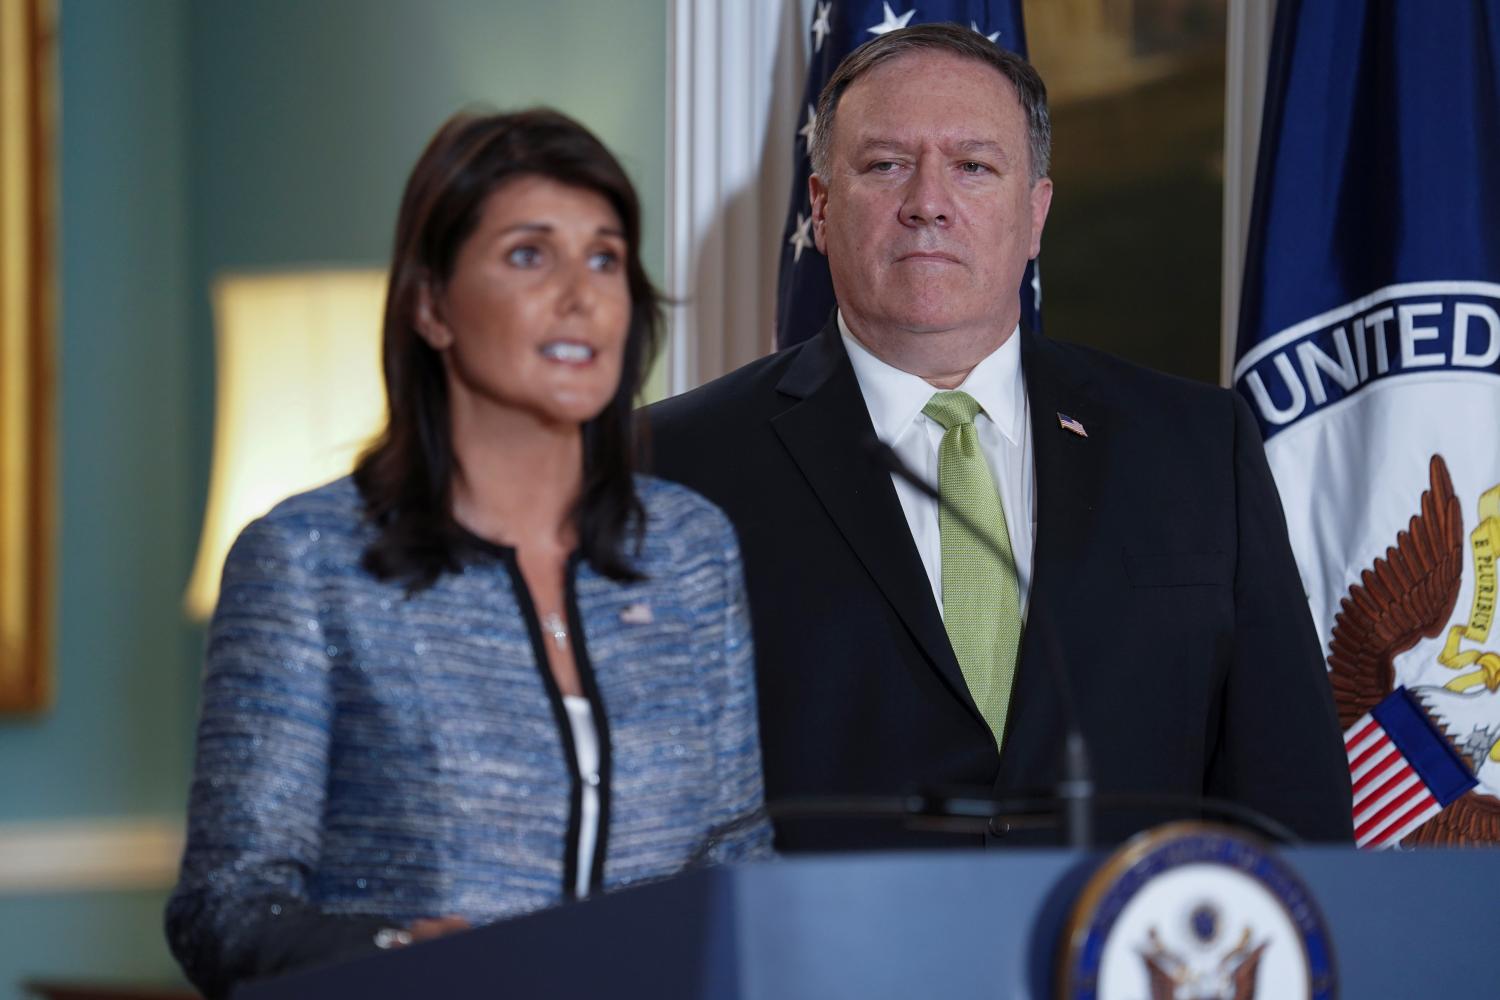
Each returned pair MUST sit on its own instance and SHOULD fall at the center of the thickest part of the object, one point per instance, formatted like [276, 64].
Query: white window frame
[736, 77]
[1247, 56]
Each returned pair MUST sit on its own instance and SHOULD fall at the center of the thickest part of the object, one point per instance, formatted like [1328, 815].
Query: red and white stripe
[1390, 800]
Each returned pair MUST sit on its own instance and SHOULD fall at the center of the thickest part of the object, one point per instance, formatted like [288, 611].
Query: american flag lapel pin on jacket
[1067, 423]
[637, 614]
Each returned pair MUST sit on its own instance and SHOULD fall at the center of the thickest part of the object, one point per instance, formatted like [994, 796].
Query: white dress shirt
[586, 752]
[895, 399]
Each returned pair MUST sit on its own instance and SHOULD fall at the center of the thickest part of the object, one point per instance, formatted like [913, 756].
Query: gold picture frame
[27, 359]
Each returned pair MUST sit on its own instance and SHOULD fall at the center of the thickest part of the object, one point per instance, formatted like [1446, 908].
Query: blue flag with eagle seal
[804, 296]
[1369, 350]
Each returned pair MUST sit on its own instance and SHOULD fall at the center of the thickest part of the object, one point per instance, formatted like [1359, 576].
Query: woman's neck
[516, 478]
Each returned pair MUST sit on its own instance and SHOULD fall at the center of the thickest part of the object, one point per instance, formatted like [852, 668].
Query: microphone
[1075, 790]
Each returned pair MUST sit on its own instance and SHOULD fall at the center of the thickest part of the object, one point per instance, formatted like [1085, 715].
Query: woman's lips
[568, 352]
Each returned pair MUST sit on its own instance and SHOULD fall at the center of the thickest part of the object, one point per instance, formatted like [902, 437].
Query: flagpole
[1248, 48]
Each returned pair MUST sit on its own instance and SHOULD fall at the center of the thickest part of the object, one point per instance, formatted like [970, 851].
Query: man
[1143, 557]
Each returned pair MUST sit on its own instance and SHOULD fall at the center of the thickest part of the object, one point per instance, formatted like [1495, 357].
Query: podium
[957, 924]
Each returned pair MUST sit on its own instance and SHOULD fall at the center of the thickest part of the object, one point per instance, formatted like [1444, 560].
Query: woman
[492, 670]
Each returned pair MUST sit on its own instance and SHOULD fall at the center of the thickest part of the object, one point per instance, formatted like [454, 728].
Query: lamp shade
[299, 396]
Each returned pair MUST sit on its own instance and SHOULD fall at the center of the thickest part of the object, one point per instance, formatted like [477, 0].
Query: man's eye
[883, 167]
[524, 256]
[971, 167]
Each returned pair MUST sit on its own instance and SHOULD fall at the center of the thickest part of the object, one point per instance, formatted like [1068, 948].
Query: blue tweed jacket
[366, 758]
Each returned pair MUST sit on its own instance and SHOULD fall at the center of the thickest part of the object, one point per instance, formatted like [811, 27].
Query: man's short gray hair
[960, 41]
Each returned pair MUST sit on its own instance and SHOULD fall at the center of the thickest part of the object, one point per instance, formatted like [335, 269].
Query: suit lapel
[1069, 465]
[825, 432]
[1069, 473]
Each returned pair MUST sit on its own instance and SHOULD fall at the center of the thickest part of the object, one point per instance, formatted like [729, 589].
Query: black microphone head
[878, 450]
[884, 456]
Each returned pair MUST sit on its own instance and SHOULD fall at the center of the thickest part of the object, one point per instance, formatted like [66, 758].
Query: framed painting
[27, 319]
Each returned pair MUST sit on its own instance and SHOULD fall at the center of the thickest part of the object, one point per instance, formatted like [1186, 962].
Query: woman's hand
[435, 927]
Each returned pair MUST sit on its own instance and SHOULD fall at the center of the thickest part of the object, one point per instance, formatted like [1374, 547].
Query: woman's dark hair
[406, 477]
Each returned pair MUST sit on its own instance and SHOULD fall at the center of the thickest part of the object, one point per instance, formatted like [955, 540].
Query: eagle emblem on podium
[1407, 597]
[1174, 975]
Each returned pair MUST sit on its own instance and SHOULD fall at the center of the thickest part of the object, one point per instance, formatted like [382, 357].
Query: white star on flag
[806, 131]
[975, 28]
[801, 239]
[821, 28]
[891, 22]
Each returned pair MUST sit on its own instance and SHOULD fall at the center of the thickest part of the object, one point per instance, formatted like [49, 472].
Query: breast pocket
[1205, 568]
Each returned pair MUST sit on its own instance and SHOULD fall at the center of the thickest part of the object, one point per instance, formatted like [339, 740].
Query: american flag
[805, 292]
[1404, 771]
[1067, 423]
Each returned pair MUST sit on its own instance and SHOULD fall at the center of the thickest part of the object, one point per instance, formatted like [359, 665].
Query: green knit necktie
[981, 597]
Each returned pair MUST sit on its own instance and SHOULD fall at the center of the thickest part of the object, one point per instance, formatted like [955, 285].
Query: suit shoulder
[1133, 376]
[1145, 392]
[680, 520]
[317, 522]
[706, 437]
[671, 503]
[747, 387]
[334, 507]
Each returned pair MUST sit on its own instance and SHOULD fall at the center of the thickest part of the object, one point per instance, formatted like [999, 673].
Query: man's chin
[928, 322]
[932, 327]
[926, 306]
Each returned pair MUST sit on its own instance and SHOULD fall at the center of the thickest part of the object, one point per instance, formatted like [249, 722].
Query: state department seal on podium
[1193, 911]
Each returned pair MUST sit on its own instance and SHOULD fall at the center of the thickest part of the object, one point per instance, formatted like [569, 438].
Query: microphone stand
[1075, 789]
[960, 812]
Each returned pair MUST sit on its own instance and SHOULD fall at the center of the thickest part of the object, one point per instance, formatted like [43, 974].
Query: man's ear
[1041, 202]
[428, 320]
[817, 193]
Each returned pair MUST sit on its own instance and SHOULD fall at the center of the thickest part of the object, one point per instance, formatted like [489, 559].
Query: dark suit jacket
[1161, 564]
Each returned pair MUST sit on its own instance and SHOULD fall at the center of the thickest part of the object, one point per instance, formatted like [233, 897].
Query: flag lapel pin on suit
[1067, 423]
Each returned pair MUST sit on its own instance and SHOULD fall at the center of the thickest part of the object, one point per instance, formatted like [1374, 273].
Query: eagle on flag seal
[1405, 597]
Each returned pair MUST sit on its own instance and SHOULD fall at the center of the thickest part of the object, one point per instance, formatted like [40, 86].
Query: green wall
[306, 116]
[124, 348]
[115, 743]
[200, 136]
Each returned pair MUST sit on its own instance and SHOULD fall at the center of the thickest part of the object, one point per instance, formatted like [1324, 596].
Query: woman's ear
[429, 322]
